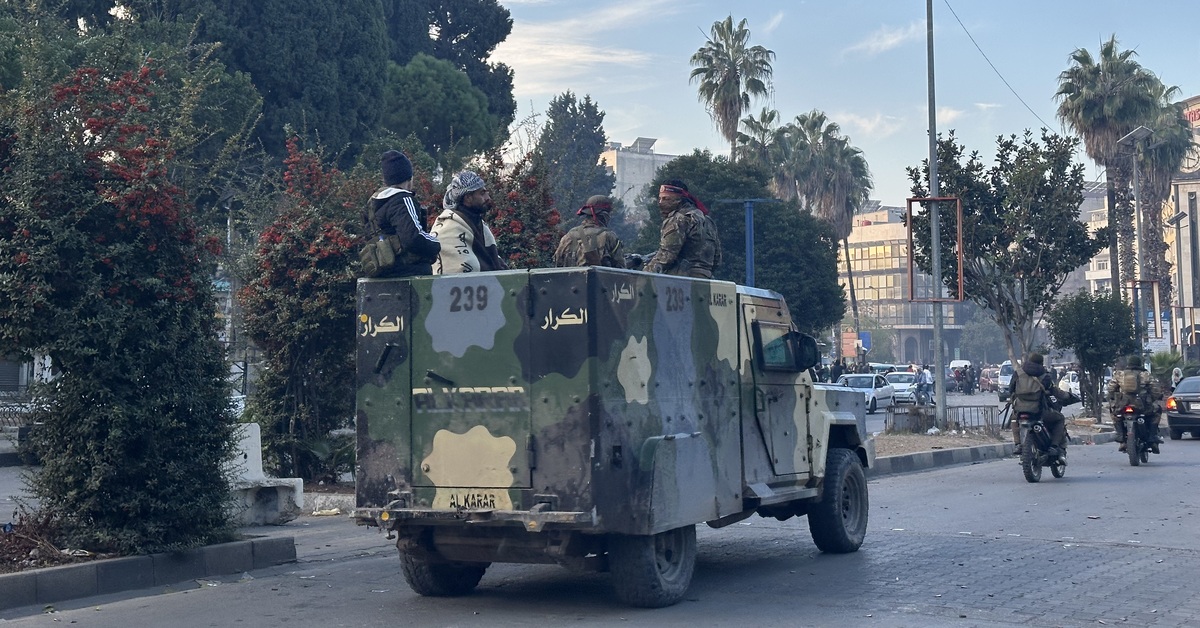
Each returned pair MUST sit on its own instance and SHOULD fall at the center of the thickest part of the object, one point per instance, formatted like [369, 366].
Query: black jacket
[400, 218]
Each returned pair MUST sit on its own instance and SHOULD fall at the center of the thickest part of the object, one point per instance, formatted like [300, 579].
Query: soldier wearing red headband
[591, 243]
[689, 245]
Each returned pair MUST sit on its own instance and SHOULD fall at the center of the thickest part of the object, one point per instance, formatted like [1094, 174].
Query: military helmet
[1036, 358]
[1134, 362]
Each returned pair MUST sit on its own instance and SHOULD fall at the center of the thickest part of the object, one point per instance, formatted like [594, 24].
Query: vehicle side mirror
[804, 347]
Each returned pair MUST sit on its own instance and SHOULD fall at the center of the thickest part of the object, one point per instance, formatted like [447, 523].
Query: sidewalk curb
[925, 460]
[115, 575]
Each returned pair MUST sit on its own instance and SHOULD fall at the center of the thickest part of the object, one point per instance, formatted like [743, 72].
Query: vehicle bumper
[1183, 421]
[390, 517]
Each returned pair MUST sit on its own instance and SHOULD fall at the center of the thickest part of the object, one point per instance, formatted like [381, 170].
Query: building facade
[879, 260]
[633, 167]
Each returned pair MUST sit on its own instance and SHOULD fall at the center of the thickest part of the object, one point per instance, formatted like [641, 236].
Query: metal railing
[920, 418]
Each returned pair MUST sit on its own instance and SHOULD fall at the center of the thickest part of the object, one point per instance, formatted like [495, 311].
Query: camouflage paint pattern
[632, 400]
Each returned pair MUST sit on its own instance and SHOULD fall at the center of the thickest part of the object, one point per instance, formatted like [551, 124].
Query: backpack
[377, 256]
[1133, 389]
[1029, 393]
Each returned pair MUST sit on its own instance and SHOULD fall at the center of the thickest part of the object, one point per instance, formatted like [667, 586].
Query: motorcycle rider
[1033, 390]
[1134, 386]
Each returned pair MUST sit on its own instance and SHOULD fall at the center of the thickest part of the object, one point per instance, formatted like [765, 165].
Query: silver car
[879, 393]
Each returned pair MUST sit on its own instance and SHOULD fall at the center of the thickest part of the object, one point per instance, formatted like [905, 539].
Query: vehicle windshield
[859, 381]
[1188, 385]
[1006, 369]
[901, 378]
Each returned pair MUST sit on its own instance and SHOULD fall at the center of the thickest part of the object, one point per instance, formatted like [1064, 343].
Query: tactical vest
[587, 243]
[1133, 389]
[1029, 393]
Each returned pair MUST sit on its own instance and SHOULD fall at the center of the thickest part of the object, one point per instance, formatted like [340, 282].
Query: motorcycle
[1036, 448]
[1140, 439]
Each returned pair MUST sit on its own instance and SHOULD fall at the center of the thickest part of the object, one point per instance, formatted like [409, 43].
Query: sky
[864, 63]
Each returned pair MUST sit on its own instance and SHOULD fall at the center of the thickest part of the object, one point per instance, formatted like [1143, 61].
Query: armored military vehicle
[592, 417]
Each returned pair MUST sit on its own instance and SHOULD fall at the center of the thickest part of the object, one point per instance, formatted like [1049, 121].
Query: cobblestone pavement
[970, 545]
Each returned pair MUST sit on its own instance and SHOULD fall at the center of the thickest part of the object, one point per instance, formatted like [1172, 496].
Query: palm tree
[1158, 164]
[1103, 100]
[828, 176]
[730, 73]
[757, 138]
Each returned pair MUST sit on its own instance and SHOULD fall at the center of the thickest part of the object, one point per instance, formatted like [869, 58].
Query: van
[1004, 379]
[960, 364]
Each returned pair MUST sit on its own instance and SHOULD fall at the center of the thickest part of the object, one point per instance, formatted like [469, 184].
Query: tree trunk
[1113, 263]
[850, 280]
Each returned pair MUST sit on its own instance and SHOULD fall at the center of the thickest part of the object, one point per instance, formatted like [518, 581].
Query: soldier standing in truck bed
[689, 245]
[591, 243]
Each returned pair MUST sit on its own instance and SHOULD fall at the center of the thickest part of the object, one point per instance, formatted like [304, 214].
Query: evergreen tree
[570, 144]
[104, 269]
[435, 101]
[795, 254]
[463, 32]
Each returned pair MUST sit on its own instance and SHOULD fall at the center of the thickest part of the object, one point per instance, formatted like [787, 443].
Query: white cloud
[888, 37]
[774, 22]
[947, 115]
[987, 106]
[875, 126]
[549, 57]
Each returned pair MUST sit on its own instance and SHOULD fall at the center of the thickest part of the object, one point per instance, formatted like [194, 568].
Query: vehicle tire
[1144, 456]
[652, 571]
[838, 523]
[1176, 434]
[1058, 469]
[1132, 445]
[1031, 465]
[433, 578]
[871, 406]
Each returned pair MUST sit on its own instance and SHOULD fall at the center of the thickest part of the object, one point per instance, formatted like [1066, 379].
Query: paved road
[962, 546]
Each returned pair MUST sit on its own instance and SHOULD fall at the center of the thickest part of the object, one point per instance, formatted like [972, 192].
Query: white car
[1070, 383]
[1004, 380]
[879, 393]
[904, 384]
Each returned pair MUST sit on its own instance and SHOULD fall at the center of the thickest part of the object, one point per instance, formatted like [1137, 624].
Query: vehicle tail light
[1172, 404]
[1128, 410]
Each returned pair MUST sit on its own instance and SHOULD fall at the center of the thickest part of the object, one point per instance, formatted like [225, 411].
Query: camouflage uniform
[1146, 396]
[689, 246]
[589, 244]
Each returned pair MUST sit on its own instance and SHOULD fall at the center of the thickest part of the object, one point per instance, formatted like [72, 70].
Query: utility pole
[939, 374]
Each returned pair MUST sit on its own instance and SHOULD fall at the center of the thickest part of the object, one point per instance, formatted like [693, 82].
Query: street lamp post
[1134, 139]
[748, 203]
[1176, 325]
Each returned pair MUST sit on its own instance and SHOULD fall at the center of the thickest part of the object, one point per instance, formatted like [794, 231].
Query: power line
[989, 61]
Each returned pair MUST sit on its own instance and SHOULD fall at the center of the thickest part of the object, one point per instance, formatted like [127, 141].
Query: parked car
[1183, 409]
[879, 393]
[1004, 379]
[951, 382]
[987, 379]
[1070, 383]
[881, 368]
[904, 385]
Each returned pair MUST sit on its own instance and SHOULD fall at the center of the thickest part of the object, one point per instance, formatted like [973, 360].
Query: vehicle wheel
[1176, 434]
[652, 571]
[434, 578]
[871, 407]
[1145, 455]
[1031, 459]
[1058, 469]
[1132, 445]
[838, 522]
